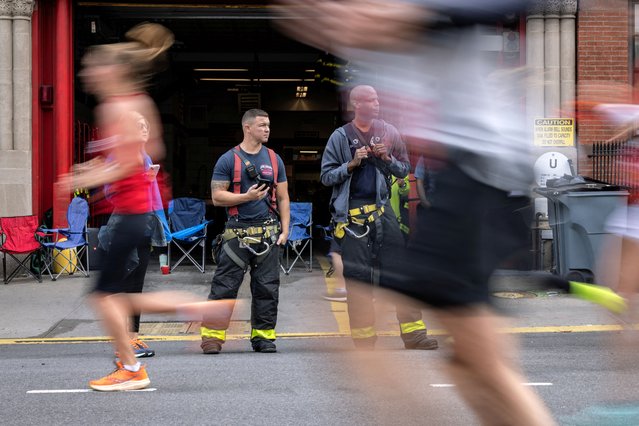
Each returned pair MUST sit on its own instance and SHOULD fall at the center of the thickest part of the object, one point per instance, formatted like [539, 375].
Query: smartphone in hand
[153, 170]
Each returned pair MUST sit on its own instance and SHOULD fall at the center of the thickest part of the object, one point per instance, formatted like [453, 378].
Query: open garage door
[226, 59]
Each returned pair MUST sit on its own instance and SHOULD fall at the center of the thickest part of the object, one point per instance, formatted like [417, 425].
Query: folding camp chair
[18, 236]
[188, 229]
[299, 236]
[69, 244]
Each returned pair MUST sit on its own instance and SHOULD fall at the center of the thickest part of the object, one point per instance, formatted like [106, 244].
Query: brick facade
[603, 67]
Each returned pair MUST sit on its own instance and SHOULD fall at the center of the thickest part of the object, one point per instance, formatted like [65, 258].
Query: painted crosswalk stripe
[83, 390]
[450, 385]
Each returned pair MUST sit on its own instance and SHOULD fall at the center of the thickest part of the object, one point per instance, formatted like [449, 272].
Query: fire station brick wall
[603, 67]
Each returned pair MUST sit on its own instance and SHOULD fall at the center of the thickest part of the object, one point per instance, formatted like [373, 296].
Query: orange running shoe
[122, 380]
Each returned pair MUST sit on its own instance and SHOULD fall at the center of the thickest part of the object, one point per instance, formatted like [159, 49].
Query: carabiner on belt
[355, 234]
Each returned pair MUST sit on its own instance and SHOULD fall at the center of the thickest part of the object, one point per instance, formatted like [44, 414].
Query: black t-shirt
[363, 182]
[223, 171]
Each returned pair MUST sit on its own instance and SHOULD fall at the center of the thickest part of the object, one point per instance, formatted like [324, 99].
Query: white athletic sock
[134, 368]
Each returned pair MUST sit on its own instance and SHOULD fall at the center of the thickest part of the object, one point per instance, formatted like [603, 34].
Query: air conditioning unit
[246, 101]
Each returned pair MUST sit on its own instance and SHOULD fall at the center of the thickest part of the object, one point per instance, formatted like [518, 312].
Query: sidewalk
[58, 309]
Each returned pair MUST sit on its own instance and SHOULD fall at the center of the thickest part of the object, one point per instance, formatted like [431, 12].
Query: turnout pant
[360, 256]
[265, 285]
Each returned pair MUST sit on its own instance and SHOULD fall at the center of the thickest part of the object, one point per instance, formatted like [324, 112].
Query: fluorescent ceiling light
[221, 69]
[308, 152]
[225, 79]
[279, 79]
[258, 80]
[309, 70]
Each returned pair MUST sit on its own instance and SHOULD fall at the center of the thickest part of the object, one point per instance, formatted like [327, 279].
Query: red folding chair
[18, 237]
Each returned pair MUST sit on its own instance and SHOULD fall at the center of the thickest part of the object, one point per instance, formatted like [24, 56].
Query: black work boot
[210, 345]
[263, 345]
[419, 340]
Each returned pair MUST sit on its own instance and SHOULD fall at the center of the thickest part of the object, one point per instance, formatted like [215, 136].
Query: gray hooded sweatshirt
[335, 173]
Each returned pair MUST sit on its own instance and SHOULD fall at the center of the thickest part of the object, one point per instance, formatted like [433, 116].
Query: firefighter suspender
[237, 183]
[237, 177]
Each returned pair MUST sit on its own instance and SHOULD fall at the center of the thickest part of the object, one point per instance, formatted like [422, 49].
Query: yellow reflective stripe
[214, 334]
[405, 229]
[263, 334]
[363, 333]
[409, 327]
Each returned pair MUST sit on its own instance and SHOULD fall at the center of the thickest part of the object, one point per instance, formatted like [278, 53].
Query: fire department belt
[253, 231]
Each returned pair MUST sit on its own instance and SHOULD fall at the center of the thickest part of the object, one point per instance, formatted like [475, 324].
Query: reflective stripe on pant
[265, 284]
[410, 327]
[358, 267]
[263, 334]
[363, 333]
[213, 334]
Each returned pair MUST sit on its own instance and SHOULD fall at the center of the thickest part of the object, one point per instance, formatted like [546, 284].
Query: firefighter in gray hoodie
[359, 162]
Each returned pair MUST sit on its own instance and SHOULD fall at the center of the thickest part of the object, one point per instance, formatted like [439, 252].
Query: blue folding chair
[300, 236]
[188, 230]
[70, 243]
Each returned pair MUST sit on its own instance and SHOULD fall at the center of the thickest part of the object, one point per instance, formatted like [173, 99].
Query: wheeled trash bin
[577, 214]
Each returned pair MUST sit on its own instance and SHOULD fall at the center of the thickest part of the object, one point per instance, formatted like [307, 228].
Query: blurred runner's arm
[375, 24]
[399, 164]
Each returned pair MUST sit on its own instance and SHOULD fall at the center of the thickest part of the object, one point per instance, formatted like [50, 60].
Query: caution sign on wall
[554, 132]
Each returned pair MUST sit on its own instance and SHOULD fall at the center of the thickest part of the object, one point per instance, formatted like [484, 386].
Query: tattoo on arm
[221, 185]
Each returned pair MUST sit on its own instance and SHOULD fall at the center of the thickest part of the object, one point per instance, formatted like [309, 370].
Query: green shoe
[600, 295]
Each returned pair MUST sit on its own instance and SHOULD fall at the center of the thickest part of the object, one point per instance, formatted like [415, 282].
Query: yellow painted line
[164, 6]
[436, 332]
[568, 329]
[339, 309]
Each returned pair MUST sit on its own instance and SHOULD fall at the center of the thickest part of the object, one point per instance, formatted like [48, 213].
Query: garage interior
[226, 59]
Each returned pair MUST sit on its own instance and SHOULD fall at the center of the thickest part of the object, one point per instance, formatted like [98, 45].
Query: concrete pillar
[552, 92]
[15, 108]
[535, 62]
[6, 77]
[568, 56]
[22, 10]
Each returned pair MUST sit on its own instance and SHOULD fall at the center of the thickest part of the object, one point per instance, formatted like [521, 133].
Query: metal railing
[615, 163]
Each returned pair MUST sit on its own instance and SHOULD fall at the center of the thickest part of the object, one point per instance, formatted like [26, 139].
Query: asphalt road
[316, 381]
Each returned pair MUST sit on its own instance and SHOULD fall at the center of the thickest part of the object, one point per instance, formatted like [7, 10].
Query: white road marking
[450, 385]
[83, 390]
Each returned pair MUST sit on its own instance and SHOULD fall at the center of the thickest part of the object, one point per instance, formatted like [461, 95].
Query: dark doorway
[226, 60]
